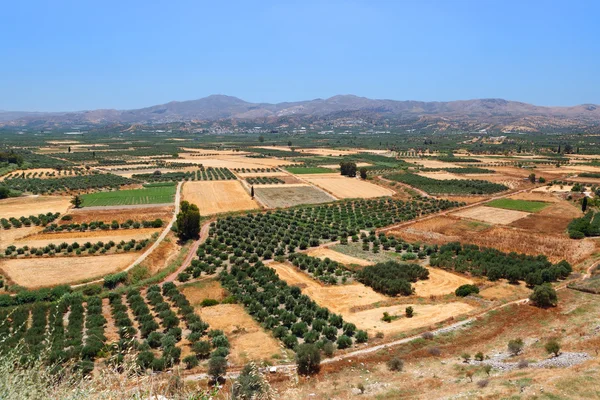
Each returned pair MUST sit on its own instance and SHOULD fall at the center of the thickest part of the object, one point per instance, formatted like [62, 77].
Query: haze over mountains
[463, 114]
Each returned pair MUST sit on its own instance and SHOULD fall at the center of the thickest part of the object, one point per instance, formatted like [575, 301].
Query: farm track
[191, 253]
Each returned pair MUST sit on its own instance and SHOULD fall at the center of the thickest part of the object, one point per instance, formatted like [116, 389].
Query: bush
[308, 359]
[209, 302]
[553, 347]
[544, 296]
[395, 364]
[217, 366]
[465, 290]
[344, 342]
[515, 346]
[190, 361]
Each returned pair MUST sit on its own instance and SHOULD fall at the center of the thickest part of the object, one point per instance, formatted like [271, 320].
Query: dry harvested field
[50, 271]
[343, 187]
[248, 340]
[324, 252]
[338, 298]
[503, 290]
[33, 205]
[10, 236]
[232, 161]
[213, 151]
[466, 199]
[425, 315]
[257, 174]
[43, 239]
[291, 195]
[337, 166]
[431, 163]
[59, 142]
[208, 289]
[213, 197]
[440, 282]
[491, 215]
[328, 152]
[535, 196]
[512, 171]
[121, 215]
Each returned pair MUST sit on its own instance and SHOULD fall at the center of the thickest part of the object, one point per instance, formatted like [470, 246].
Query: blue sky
[74, 55]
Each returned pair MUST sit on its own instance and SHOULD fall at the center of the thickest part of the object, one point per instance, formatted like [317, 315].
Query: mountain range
[488, 114]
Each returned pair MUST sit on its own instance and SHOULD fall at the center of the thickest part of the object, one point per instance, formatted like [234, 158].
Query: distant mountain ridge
[460, 114]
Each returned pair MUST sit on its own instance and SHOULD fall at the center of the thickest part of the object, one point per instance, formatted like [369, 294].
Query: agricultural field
[518, 205]
[492, 215]
[279, 197]
[150, 194]
[218, 196]
[343, 187]
[325, 252]
[17, 207]
[44, 272]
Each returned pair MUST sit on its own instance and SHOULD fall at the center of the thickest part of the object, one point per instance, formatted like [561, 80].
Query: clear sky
[86, 54]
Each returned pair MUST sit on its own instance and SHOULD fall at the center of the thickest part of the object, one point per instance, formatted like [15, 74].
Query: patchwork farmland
[285, 254]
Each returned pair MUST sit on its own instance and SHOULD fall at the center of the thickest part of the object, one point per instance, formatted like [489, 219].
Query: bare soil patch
[248, 340]
[136, 214]
[33, 205]
[344, 187]
[443, 176]
[213, 197]
[425, 315]
[440, 282]
[324, 252]
[51, 271]
[492, 215]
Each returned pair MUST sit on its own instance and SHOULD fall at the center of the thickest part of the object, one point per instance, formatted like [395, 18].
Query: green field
[310, 170]
[148, 195]
[518, 205]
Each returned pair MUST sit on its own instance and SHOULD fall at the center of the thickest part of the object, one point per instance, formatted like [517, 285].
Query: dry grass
[248, 340]
[232, 161]
[343, 187]
[425, 315]
[33, 205]
[324, 252]
[51, 271]
[338, 298]
[136, 214]
[492, 215]
[163, 255]
[208, 289]
[43, 239]
[10, 236]
[442, 176]
[440, 282]
[214, 197]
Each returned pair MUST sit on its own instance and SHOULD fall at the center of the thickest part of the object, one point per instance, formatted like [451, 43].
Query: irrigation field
[160, 194]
